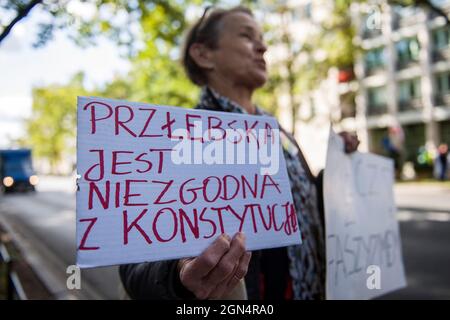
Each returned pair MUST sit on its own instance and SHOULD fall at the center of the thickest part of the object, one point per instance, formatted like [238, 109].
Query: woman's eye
[246, 35]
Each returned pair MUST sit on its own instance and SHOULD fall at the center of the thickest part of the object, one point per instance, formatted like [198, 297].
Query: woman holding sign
[224, 54]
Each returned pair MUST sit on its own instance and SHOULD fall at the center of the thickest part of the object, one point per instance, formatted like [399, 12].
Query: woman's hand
[218, 269]
[351, 141]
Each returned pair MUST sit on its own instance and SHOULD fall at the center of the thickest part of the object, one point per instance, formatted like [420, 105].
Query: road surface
[45, 223]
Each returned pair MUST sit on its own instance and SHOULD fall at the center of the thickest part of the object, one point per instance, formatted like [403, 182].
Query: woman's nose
[261, 46]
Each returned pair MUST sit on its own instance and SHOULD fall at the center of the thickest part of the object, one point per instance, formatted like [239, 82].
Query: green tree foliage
[83, 21]
[51, 129]
[156, 77]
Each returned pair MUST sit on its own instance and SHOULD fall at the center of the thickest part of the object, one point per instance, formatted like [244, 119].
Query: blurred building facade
[404, 78]
[397, 94]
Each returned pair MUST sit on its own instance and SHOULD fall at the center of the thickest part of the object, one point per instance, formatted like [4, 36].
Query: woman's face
[239, 56]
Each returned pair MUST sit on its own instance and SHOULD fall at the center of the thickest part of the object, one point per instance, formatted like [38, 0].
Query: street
[44, 222]
[424, 215]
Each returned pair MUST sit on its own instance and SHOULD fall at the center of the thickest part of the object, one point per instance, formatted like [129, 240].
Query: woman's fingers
[241, 270]
[218, 269]
[204, 263]
[351, 141]
[227, 264]
[233, 279]
[193, 271]
[353, 144]
[222, 287]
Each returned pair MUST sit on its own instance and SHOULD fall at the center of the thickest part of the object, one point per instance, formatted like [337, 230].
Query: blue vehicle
[16, 170]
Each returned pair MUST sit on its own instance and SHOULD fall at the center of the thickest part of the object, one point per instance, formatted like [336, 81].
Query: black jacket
[153, 280]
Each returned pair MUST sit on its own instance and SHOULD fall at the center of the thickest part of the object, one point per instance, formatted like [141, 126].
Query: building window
[414, 141]
[407, 52]
[371, 27]
[441, 42]
[405, 16]
[442, 82]
[308, 10]
[376, 98]
[409, 93]
[376, 138]
[441, 38]
[374, 60]
[445, 131]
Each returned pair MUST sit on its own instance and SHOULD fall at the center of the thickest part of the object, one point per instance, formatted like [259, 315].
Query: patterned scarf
[307, 261]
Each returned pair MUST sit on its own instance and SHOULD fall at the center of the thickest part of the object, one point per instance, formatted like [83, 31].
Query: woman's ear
[202, 56]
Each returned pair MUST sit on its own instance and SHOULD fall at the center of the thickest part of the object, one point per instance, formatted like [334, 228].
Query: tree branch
[21, 13]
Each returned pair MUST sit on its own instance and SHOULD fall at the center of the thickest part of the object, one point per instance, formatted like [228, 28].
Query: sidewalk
[423, 196]
[44, 265]
[44, 225]
[30, 282]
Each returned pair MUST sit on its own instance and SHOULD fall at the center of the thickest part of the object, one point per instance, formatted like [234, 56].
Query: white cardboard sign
[364, 256]
[159, 182]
